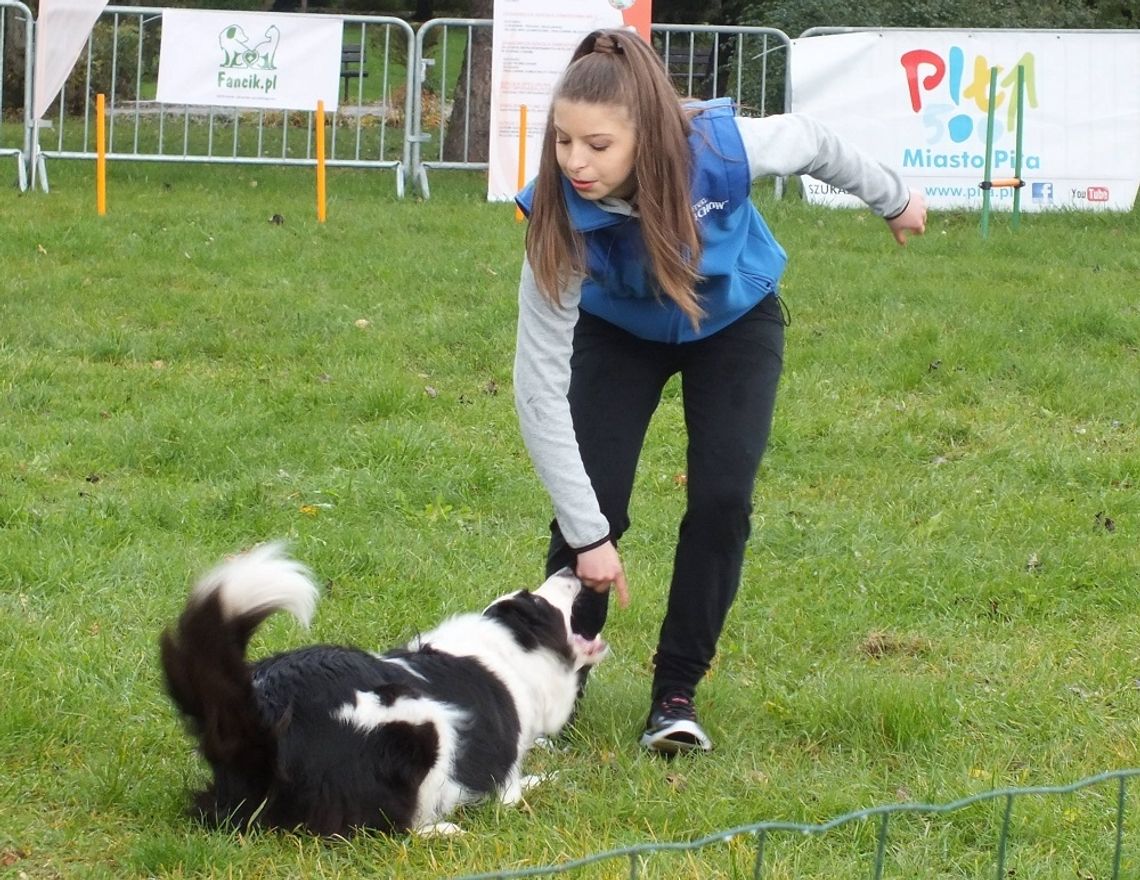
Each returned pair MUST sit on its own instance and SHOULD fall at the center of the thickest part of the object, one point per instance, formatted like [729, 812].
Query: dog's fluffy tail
[203, 659]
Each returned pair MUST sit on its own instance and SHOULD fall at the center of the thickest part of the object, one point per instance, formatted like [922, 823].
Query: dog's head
[541, 619]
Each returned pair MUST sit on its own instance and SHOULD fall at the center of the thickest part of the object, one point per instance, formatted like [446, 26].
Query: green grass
[940, 596]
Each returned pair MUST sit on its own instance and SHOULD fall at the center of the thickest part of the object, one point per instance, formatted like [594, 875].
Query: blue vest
[741, 262]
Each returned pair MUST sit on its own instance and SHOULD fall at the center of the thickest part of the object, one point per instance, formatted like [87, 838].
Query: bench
[351, 64]
[688, 65]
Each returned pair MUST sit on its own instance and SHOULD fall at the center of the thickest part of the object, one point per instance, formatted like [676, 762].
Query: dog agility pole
[1016, 182]
[100, 154]
[522, 158]
[322, 202]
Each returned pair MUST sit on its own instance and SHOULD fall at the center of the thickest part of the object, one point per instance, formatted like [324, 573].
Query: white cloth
[62, 29]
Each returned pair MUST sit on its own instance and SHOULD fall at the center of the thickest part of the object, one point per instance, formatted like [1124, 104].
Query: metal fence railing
[748, 64]
[441, 135]
[410, 100]
[16, 42]
[368, 130]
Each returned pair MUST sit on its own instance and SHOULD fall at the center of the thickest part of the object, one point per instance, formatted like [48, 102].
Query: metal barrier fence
[440, 31]
[409, 97]
[16, 30]
[368, 130]
[1105, 864]
[748, 64]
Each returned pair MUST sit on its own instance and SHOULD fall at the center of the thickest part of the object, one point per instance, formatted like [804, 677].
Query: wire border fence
[762, 831]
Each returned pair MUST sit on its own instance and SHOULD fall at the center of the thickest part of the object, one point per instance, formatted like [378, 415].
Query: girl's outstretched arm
[544, 342]
[792, 143]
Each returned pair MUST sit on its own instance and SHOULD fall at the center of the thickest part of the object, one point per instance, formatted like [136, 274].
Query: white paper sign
[249, 59]
[532, 43]
[918, 100]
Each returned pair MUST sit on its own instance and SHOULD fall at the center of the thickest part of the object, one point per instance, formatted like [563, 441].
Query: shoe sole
[662, 740]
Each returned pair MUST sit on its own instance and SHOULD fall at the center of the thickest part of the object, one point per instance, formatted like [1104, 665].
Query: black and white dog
[334, 739]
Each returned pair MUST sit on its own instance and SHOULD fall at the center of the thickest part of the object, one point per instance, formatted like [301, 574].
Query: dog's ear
[521, 614]
[533, 622]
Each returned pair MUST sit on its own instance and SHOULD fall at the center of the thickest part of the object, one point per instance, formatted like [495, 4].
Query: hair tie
[607, 44]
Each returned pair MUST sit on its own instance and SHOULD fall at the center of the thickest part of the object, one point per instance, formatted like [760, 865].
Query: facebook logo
[1042, 193]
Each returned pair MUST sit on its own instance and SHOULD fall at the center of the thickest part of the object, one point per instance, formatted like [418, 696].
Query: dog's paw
[513, 792]
[531, 780]
[439, 829]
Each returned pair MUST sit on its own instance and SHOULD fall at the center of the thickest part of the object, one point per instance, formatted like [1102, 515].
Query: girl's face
[594, 145]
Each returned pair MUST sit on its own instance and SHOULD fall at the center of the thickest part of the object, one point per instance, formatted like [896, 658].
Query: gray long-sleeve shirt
[776, 146]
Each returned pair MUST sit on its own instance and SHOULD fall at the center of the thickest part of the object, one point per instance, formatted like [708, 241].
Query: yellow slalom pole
[321, 207]
[322, 212]
[100, 155]
[522, 158]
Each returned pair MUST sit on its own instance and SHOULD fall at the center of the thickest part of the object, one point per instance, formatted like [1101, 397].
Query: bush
[795, 16]
[114, 66]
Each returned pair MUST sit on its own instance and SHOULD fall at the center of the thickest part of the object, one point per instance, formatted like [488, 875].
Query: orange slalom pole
[100, 155]
[322, 212]
[522, 158]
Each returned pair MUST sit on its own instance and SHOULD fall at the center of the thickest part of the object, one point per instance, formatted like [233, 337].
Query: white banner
[532, 43]
[918, 100]
[249, 59]
[62, 28]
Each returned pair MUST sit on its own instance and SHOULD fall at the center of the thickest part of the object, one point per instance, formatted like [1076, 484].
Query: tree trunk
[12, 53]
[471, 102]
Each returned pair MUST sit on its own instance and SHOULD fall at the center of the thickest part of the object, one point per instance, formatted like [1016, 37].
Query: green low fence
[764, 834]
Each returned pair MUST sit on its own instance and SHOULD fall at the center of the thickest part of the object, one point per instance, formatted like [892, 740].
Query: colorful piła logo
[952, 98]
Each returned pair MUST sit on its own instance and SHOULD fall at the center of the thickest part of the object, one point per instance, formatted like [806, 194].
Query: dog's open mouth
[585, 647]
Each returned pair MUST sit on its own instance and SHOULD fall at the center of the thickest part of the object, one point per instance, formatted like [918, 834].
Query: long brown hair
[619, 68]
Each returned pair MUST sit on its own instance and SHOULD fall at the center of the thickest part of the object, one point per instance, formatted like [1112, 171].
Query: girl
[645, 257]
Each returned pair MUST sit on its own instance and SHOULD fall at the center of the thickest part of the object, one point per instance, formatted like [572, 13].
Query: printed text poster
[532, 44]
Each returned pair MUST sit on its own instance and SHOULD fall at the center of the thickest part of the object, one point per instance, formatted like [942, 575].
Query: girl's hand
[912, 219]
[600, 569]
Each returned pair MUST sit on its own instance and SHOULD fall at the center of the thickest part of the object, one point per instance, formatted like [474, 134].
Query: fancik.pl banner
[249, 59]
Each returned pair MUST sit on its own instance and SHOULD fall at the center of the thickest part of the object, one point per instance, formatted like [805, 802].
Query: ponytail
[618, 68]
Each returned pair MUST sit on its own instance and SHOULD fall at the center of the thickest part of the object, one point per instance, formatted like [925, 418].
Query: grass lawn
[940, 599]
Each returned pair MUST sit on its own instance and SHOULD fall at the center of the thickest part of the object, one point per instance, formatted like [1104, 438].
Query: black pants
[728, 384]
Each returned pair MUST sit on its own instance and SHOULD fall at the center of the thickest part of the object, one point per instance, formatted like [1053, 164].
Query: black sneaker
[672, 727]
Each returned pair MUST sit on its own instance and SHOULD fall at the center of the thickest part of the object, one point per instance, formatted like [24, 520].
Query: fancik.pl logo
[241, 57]
[238, 52]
